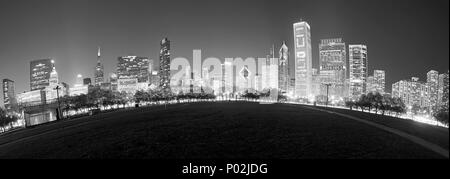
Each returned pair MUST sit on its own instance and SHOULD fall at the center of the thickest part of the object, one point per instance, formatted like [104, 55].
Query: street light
[59, 104]
[328, 86]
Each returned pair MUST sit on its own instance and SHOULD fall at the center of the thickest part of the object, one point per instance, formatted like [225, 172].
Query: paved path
[417, 140]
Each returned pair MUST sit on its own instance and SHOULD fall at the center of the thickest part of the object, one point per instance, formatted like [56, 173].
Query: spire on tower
[98, 52]
[273, 51]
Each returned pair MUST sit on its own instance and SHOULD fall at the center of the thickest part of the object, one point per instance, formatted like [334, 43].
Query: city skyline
[18, 71]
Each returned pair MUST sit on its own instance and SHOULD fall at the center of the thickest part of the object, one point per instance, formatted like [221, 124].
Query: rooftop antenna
[273, 50]
[98, 54]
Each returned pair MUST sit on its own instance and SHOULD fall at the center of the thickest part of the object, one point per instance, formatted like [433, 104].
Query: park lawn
[235, 130]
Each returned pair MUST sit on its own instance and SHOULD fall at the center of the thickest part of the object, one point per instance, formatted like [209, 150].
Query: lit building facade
[273, 73]
[79, 88]
[413, 93]
[113, 81]
[40, 71]
[376, 83]
[283, 68]
[130, 85]
[316, 83]
[370, 85]
[333, 66]
[228, 78]
[258, 82]
[164, 67]
[130, 67]
[54, 79]
[379, 81]
[291, 88]
[443, 90]
[99, 71]
[154, 80]
[433, 85]
[9, 96]
[359, 66]
[37, 97]
[303, 59]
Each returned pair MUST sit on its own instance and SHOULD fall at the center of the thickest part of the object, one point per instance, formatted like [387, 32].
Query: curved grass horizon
[226, 130]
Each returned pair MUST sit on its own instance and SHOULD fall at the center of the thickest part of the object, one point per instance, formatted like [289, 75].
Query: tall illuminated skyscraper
[303, 59]
[413, 92]
[40, 71]
[164, 66]
[433, 87]
[129, 67]
[53, 81]
[443, 89]
[333, 66]
[99, 74]
[358, 70]
[228, 80]
[9, 97]
[370, 85]
[273, 73]
[283, 69]
[379, 79]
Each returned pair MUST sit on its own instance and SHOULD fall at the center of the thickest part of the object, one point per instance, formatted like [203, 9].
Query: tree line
[98, 97]
[6, 119]
[379, 103]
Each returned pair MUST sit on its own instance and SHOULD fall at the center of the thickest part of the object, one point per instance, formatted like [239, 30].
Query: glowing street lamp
[59, 103]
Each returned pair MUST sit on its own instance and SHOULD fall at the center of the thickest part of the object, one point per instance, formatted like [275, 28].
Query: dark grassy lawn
[434, 134]
[212, 130]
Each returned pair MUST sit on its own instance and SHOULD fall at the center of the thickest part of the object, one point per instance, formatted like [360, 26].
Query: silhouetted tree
[6, 119]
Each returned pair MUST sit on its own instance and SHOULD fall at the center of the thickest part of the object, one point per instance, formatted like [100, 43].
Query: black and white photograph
[189, 81]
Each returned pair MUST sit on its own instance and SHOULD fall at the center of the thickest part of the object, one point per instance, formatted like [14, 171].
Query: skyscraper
[413, 92]
[9, 97]
[443, 84]
[333, 66]
[358, 70]
[98, 76]
[316, 83]
[129, 67]
[113, 81]
[265, 74]
[40, 71]
[379, 81]
[433, 86]
[370, 85]
[272, 70]
[228, 77]
[303, 59]
[54, 80]
[164, 67]
[283, 68]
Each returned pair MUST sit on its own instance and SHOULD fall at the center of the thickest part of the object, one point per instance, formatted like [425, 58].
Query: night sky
[404, 37]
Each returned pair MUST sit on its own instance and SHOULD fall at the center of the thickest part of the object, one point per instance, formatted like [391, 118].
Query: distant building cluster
[43, 82]
[424, 96]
